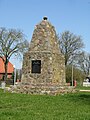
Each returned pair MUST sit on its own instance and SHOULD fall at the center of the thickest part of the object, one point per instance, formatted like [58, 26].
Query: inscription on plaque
[36, 66]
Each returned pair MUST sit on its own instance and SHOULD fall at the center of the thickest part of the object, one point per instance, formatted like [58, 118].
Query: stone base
[42, 89]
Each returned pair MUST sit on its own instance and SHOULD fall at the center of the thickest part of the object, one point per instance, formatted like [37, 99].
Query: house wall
[10, 69]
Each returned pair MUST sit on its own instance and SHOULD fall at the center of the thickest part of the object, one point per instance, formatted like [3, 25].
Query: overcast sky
[72, 15]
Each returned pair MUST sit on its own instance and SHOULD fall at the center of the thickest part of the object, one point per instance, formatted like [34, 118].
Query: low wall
[86, 84]
[42, 89]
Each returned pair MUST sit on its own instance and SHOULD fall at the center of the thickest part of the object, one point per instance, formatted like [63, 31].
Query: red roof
[10, 67]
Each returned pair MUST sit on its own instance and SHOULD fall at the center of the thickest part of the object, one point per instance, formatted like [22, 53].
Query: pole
[72, 75]
[14, 74]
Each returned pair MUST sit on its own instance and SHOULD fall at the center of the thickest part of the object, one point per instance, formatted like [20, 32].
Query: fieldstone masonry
[44, 63]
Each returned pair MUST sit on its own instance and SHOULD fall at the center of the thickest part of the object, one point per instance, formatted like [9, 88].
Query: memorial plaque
[36, 66]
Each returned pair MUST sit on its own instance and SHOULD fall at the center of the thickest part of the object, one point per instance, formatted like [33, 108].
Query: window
[36, 66]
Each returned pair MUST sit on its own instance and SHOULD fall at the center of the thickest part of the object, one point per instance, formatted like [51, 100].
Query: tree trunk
[6, 67]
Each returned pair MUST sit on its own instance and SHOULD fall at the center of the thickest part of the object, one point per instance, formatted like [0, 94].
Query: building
[2, 69]
[44, 63]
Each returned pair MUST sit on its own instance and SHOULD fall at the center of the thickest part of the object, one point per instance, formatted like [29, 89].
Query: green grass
[82, 88]
[44, 107]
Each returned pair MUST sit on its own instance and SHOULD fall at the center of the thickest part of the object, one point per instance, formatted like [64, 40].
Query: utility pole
[72, 75]
[14, 74]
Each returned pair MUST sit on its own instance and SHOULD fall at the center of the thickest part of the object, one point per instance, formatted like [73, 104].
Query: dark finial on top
[45, 18]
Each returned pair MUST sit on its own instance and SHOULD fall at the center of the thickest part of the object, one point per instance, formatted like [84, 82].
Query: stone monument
[44, 63]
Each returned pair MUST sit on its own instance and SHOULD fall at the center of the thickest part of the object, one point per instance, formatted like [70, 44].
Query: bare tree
[71, 46]
[84, 62]
[11, 42]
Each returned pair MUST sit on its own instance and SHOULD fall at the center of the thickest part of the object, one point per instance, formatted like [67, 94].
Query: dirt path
[84, 90]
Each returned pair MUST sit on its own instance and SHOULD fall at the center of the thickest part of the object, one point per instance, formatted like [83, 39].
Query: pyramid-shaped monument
[44, 63]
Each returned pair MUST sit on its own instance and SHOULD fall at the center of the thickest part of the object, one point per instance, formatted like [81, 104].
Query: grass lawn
[82, 88]
[44, 107]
